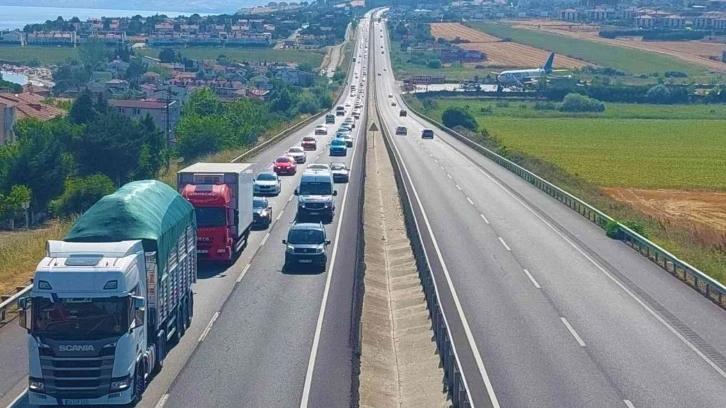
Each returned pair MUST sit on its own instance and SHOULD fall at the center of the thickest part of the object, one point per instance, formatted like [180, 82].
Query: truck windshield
[81, 317]
[211, 217]
[315, 188]
[305, 237]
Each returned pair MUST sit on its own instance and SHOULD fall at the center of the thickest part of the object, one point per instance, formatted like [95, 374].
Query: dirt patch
[500, 53]
[702, 209]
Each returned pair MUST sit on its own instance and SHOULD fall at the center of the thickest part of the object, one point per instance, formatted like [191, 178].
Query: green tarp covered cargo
[146, 210]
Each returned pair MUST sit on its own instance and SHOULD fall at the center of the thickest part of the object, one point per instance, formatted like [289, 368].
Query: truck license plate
[306, 261]
[314, 213]
[75, 402]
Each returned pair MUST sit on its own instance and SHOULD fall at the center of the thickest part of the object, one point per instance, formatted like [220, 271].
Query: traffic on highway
[238, 287]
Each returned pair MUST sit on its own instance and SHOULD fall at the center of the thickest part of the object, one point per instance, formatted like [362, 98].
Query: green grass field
[55, 55]
[639, 146]
[629, 60]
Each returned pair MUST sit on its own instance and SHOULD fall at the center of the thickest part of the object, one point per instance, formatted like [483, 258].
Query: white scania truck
[108, 300]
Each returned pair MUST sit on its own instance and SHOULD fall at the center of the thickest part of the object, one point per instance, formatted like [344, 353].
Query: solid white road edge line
[208, 328]
[457, 303]
[279, 215]
[529, 275]
[601, 268]
[573, 332]
[469, 200]
[264, 240]
[458, 187]
[321, 316]
[162, 401]
[484, 218]
[244, 272]
[504, 243]
[18, 398]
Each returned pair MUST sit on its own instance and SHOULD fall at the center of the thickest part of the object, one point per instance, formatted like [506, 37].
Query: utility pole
[167, 127]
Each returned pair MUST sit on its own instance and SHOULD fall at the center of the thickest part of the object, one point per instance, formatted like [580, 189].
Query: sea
[16, 17]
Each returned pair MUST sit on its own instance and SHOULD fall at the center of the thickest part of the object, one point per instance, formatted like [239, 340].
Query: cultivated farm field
[501, 53]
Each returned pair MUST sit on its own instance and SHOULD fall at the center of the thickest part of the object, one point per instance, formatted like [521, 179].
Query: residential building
[719, 24]
[597, 14]
[7, 122]
[644, 22]
[165, 114]
[629, 14]
[674, 22]
[55, 38]
[568, 15]
[12, 38]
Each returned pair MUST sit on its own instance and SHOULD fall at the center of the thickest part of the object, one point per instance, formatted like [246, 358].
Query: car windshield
[308, 139]
[315, 188]
[282, 160]
[259, 203]
[318, 166]
[266, 177]
[295, 150]
[337, 142]
[81, 317]
[305, 236]
[337, 166]
[210, 216]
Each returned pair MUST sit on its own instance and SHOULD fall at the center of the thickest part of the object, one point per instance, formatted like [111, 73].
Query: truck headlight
[290, 248]
[36, 385]
[320, 249]
[120, 384]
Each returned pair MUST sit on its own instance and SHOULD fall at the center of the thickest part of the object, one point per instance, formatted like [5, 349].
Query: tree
[167, 55]
[283, 102]
[454, 116]
[154, 153]
[11, 205]
[658, 94]
[203, 102]
[198, 136]
[81, 193]
[305, 67]
[574, 102]
[136, 69]
[92, 52]
[434, 64]
[82, 110]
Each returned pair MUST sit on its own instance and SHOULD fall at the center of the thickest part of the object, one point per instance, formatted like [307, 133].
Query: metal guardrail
[693, 277]
[8, 303]
[453, 379]
[7, 306]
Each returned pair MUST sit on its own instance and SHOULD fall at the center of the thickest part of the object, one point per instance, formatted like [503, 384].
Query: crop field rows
[501, 53]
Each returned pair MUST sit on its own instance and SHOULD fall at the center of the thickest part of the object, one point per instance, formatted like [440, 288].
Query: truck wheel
[190, 309]
[183, 320]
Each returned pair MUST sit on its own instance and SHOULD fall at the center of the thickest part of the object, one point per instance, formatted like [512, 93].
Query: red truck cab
[215, 216]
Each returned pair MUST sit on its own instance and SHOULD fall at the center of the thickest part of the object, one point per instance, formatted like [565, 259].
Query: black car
[341, 173]
[261, 213]
[403, 113]
[307, 244]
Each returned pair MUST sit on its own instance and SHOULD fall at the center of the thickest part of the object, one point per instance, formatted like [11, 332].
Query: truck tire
[183, 319]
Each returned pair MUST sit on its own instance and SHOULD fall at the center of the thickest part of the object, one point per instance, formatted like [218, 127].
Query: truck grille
[77, 377]
[314, 206]
[304, 250]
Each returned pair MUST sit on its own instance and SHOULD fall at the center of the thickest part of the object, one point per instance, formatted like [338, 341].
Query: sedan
[297, 153]
[284, 165]
[309, 143]
[401, 130]
[341, 173]
[261, 213]
[319, 167]
[393, 103]
[348, 139]
[321, 130]
[350, 121]
[266, 183]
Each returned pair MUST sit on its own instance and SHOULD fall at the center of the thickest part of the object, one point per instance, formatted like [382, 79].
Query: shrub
[637, 227]
[580, 103]
[454, 116]
[612, 229]
[80, 194]
[434, 64]
[675, 74]
[545, 106]
[502, 103]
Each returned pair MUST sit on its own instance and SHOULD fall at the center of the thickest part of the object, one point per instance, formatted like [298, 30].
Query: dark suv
[307, 244]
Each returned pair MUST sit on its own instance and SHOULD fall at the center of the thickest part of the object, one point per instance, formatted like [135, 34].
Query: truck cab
[315, 195]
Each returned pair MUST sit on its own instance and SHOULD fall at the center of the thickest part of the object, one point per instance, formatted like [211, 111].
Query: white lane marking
[243, 273]
[529, 275]
[573, 332]
[17, 399]
[321, 316]
[279, 215]
[449, 176]
[457, 303]
[504, 243]
[628, 404]
[264, 240]
[459, 187]
[208, 328]
[442, 167]
[469, 200]
[436, 161]
[483, 217]
[290, 198]
[162, 401]
[601, 269]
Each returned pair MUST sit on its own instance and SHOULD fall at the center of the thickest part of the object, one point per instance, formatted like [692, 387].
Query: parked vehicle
[306, 244]
[267, 183]
[284, 165]
[100, 316]
[315, 196]
[221, 194]
[261, 213]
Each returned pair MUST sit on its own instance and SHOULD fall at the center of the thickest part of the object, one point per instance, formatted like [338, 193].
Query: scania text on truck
[108, 299]
[221, 194]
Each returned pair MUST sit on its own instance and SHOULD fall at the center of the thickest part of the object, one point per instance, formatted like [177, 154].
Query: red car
[309, 143]
[284, 165]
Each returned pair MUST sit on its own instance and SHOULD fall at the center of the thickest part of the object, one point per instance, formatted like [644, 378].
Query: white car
[350, 121]
[347, 104]
[390, 95]
[297, 153]
[319, 167]
[267, 183]
[321, 130]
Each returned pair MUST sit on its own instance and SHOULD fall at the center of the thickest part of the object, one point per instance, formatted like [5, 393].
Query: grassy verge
[580, 154]
[402, 68]
[56, 55]
[629, 60]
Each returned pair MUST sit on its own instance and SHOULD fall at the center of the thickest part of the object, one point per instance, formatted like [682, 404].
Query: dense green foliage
[453, 117]
[580, 103]
[81, 193]
[656, 34]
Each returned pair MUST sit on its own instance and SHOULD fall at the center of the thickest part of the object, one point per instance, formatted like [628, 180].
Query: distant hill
[199, 6]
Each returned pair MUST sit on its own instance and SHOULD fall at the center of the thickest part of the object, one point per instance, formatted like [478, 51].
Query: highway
[545, 311]
[254, 326]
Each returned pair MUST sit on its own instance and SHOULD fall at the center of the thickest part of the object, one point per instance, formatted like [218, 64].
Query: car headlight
[120, 384]
[263, 214]
[320, 249]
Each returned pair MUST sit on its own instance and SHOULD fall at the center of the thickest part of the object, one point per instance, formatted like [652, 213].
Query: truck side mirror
[297, 192]
[327, 242]
[25, 313]
[335, 192]
[139, 312]
[284, 241]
